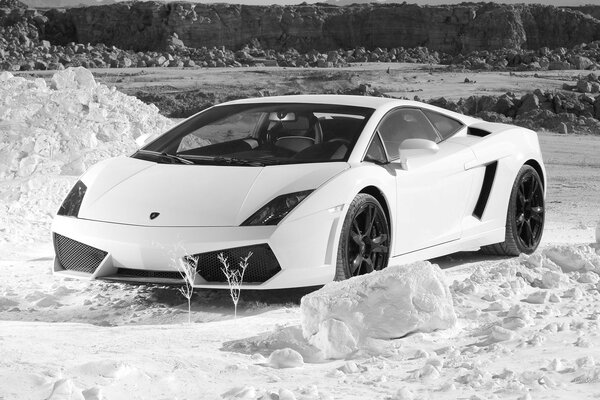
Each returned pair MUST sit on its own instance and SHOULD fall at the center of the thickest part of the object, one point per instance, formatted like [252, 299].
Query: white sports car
[317, 187]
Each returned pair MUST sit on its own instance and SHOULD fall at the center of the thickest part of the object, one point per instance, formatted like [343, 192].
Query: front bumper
[293, 254]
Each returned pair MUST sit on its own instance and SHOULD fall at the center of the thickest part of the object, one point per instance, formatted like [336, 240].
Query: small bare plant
[235, 277]
[187, 267]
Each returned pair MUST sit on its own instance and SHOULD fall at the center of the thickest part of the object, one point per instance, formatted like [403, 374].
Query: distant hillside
[80, 3]
[444, 2]
[65, 3]
[449, 29]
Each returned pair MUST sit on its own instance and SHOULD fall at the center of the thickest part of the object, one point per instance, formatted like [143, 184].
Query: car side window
[376, 152]
[405, 123]
[446, 126]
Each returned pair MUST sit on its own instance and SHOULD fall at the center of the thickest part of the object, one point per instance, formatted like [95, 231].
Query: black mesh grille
[75, 256]
[149, 274]
[262, 266]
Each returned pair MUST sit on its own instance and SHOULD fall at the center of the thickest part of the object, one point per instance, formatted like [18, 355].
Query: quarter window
[402, 124]
[446, 126]
[376, 152]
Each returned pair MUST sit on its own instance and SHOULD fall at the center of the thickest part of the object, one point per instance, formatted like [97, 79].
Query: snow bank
[573, 258]
[386, 304]
[49, 134]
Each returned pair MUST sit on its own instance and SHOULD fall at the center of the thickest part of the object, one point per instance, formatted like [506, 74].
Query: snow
[524, 328]
[386, 304]
[49, 135]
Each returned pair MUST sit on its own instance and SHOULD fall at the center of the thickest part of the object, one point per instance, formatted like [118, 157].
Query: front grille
[262, 266]
[75, 256]
[149, 274]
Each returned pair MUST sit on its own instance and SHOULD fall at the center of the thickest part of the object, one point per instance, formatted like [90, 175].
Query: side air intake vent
[75, 256]
[478, 132]
[486, 188]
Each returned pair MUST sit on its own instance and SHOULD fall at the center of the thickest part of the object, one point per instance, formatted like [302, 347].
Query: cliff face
[467, 27]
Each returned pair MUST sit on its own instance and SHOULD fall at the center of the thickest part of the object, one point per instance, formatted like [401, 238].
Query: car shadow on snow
[465, 257]
[216, 304]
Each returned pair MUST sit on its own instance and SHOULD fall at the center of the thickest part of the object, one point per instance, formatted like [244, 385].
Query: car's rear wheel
[525, 216]
[365, 238]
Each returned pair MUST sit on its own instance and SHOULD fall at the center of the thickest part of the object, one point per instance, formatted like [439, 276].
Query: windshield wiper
[173, 157]
[228, 160]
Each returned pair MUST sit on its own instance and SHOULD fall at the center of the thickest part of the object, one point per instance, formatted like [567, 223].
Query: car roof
[336, 99]
[377, 103]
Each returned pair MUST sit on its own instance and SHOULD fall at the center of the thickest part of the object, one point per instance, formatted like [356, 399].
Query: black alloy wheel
[525, 216]
[365, 239]
[529, 216]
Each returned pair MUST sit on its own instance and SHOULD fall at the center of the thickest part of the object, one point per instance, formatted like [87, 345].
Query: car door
[433, 188]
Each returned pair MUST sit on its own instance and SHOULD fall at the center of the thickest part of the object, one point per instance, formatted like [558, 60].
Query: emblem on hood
[153, 215]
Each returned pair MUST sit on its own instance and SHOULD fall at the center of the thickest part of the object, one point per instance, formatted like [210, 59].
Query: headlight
[275, 210]
[70, 207]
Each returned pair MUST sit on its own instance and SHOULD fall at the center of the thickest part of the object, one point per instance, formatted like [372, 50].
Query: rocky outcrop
[463, 28]
[593, 11]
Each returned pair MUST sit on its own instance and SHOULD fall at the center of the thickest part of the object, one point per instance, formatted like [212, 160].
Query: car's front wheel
[365, 238]
[525, 216]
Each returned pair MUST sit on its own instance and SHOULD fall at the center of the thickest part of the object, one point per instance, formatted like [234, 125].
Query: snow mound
[50, 134]
[573, 258]
[107, 369]
[64, 389]
[285, 358]
[385, 304]
[64, 128]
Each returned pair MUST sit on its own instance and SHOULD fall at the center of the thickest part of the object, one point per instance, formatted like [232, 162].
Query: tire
[525, 216]
[363, 249]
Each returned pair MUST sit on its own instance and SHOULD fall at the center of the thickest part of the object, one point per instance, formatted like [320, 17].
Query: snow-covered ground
[525, 327]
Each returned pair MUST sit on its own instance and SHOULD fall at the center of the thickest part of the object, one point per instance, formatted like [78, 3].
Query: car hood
[127, 190]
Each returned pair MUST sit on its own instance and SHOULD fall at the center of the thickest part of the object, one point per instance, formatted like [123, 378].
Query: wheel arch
[538, 168]
[378, 194]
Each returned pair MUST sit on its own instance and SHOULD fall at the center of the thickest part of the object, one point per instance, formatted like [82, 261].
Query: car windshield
[261, 134]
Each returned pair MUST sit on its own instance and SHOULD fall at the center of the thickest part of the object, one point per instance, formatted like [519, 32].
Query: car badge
[153, 215]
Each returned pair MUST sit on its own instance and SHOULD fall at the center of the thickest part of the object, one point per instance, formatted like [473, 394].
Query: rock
[564, 129]
[73, 78]
[553, 280]
[334, 339]
[499, 334]
[175, 43]
[539, 297]
[286, 358]
[94, 393]
[570, 258]
[574, 293]
[588, 277]
[64, 389]
[584, 86]
[529, 102]
[404, 394]
[407, 298]
[581, 62]
[504, 105]
[332, 57]
[559, 65]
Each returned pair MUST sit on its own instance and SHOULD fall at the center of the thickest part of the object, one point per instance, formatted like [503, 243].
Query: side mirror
[411, 148]
[419, 147]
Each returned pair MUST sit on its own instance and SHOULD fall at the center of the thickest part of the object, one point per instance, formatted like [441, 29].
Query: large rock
[73, 78]
[529, 102]
[385, 304]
